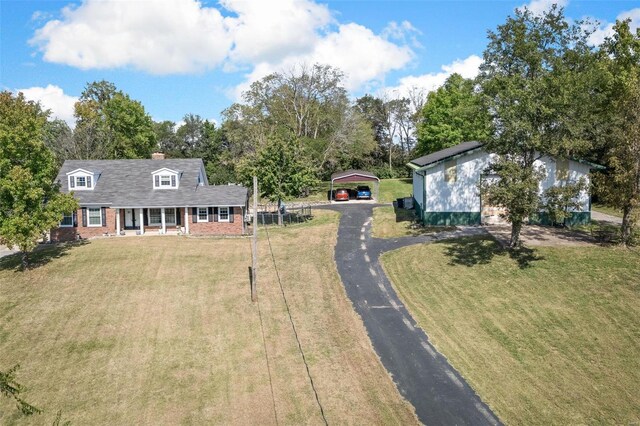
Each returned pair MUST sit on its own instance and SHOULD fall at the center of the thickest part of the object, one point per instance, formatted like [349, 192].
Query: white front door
[130, 216]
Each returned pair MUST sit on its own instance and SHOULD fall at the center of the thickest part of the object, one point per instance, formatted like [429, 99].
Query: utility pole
[254, 242]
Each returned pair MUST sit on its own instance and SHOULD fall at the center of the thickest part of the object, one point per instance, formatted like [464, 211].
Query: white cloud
[468, 68]
[272, 30]
[53, 98]
[606, 29]
[184, 36]
[540, 6]
[159, 37]
[363, 56]
[403, 32]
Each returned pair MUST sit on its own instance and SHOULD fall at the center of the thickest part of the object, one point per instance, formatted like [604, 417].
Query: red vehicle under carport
[353, 176]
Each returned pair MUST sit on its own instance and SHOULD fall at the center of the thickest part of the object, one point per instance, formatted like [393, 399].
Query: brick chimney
[157, 156]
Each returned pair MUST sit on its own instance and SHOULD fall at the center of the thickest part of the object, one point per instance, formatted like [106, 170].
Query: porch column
[162, 219]
[141, 221]
[186, 220]
[117, 222]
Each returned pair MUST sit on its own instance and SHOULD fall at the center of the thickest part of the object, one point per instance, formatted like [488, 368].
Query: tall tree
[109, 124]
[621, 188]
[530, 85]
[166, 137]
[308, 103]
[452, 114]
[30, 201]
[281, 168]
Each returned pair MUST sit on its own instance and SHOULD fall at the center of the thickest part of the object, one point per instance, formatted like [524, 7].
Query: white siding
[576, 171]
[418, 188]
[463, 195]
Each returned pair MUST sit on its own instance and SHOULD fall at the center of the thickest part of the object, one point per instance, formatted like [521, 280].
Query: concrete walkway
[6, 252]
[423, 376]
[603, 217]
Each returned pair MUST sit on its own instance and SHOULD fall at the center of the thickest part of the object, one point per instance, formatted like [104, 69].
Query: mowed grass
[392, 189]
[556, 342]
[391, 223]
[161, 330]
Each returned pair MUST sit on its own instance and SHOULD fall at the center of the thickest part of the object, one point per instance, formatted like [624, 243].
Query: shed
[353, 176]
[446, 186]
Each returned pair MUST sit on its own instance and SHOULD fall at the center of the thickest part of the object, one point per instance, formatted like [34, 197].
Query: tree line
[542, 90]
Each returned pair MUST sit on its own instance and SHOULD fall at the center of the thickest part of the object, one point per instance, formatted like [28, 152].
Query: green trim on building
[576, 218]
[417, 207]
[450, 218]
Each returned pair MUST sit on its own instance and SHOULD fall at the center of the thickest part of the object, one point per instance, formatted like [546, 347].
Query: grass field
[160, 330]
[390, 190]
[390, 223]
[553, 340]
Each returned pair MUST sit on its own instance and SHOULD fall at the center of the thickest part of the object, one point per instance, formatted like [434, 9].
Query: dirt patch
[534, 235]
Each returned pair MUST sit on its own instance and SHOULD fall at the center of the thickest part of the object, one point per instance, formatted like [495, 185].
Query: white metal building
[446, 186]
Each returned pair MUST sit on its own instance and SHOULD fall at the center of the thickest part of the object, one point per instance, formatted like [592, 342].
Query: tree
[30, 201]
[307, 102]
[393, 123]
[559, 201]
[111, 125]
[621, 187]
[452, 114]
[281, 168]
[59, 139]
[9, 387]
[131, 128]
[531, 85]
[166, 137]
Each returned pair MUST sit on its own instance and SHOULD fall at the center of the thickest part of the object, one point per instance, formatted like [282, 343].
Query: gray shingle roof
[446, 153]
[129, 183]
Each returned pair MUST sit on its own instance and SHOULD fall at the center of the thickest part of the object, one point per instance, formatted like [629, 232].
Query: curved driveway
[423, 376]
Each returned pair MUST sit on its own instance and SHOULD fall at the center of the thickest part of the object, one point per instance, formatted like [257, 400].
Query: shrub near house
[158, 195]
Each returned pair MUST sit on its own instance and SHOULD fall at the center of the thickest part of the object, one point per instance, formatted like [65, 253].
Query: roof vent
[157, 156]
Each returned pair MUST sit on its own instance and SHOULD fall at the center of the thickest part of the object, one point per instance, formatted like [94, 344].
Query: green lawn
[390, 223]
[392, 189]
[550, 336]
[161, 330]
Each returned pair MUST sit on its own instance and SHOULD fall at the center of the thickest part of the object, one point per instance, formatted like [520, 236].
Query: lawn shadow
[43, 254]
[471, 251]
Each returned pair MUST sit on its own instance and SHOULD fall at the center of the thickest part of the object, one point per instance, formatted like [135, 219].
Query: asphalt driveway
[423, 376]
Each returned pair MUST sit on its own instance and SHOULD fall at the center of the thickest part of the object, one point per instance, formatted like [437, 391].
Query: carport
[355, 176]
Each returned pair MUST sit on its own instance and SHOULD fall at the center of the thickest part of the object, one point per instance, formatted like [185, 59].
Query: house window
[170, 216]
[155, 217]
[95, 216]
[81, 181]
[450, 174]
[223, 214]
[67, 220]
[165, 180]
[203, 214]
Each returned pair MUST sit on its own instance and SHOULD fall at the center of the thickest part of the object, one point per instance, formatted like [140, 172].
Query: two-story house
[119, 197]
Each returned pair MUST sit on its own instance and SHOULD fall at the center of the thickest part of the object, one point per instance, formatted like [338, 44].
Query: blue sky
[184, 56]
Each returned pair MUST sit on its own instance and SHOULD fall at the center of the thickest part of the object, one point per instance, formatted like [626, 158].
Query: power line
[266, 356]
[295, 332]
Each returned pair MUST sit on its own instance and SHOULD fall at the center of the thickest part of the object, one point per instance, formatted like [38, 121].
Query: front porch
[156, 220]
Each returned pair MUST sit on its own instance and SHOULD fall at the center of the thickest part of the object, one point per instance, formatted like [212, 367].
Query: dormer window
[165, 179]
[81, 179]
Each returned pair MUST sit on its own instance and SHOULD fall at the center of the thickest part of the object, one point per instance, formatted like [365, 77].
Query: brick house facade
[120, 197]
